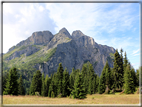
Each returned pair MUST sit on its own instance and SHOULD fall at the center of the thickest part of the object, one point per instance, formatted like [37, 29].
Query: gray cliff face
[37, 38]
[71, 50]
[76, 52]
[29, 50]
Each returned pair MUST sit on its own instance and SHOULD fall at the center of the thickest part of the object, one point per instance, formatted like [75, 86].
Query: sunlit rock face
[72, 50]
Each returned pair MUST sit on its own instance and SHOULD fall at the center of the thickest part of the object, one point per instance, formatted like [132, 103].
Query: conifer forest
[80, 82]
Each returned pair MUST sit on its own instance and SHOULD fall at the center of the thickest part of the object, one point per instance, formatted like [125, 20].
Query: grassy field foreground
[91, 99]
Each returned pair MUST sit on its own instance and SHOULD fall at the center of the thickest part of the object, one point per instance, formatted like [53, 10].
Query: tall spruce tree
[12, 82]
[108, 74]
[121, 68]
[36, 83]
[60, 78]
[112, 80]
[129, 84]
[21, 90]
[43, 86]
[133, 73]
[4, 80]
[118, 70]
[79, 88]
[102, 81]
[71, 79]
[51, 88]
[55, 79]
[47, 83]
[137, 77]
[65, 83]
[91, 79]
[85, 75]
[125, 61]
[105, 79]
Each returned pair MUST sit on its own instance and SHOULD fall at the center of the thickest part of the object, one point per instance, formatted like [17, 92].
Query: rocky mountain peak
[65, 32]
[77, 34]
[72, 51]
[39, 38]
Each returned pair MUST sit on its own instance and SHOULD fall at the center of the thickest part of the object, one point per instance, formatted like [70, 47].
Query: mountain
[44, 51]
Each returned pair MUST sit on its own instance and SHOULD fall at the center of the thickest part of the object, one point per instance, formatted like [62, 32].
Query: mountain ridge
[72, 50]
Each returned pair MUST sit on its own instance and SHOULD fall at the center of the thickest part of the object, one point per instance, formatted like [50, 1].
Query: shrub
[60, 95]
[37, 94]
[70, 96]
[52, 94]
[5, 93]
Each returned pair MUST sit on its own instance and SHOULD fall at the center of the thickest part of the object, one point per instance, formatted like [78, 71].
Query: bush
[52, 95]
[5, 93]
[37, 94]
[60, 95]
[70, 96]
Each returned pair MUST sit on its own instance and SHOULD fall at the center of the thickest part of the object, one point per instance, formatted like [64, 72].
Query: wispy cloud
[92, 16]
[136, 52]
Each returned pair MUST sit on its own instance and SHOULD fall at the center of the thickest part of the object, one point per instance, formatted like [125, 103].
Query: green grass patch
[111, 55]
[67, 38]
[5, 56]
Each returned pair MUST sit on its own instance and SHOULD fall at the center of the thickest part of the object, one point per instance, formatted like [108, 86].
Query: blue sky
[112, 24]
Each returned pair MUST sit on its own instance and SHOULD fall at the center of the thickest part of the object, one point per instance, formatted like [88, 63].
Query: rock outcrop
[71, 50]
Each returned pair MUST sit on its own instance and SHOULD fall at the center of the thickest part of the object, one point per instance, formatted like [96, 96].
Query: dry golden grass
[98, 99]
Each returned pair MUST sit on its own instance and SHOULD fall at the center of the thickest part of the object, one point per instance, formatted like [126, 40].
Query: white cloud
[20, 20]
[135, 52]
[92, 17]
[107, 23]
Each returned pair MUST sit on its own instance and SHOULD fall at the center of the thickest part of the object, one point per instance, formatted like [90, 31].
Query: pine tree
[36, 83]
[97, 83]
[117, 70]
[121, 68]
[112, 80]
[129, 84]
[134, 77]
[85, 75]
[12, 82]
[102, 80]
[55, 79]
[47, 83]
[60, 77]
[4, 81]
[91, 80]
[21, 90]
[51, 88]
[125, 61]
[107, 77]
[79, 89]
[137, 77]
[71, 79]
[43, 86]
[65, 83]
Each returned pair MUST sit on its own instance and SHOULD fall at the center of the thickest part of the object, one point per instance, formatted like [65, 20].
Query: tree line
[79, 83]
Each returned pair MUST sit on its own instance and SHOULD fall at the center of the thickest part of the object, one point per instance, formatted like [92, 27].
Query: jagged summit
[77, 34]
[38, 33]
[44, 51]
[65, 32]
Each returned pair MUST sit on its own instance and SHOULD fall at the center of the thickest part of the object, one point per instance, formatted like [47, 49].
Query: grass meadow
[91, 99]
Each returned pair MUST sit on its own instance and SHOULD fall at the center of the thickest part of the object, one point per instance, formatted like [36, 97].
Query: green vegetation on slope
[25, 64]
